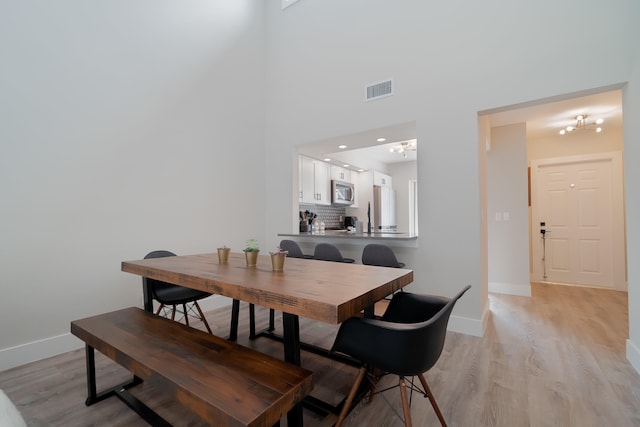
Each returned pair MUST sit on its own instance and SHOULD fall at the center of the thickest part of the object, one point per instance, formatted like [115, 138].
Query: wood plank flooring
[555, 359]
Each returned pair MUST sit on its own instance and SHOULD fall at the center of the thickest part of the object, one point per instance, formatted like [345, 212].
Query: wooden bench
[226, 384]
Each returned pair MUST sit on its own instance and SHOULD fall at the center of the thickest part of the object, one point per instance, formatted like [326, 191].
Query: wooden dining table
[326, 291]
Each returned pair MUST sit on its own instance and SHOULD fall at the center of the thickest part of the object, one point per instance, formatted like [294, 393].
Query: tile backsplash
[333, 216]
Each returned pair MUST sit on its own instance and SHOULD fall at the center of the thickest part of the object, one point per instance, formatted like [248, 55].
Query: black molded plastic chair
[329, 252]
[168, 294]
[407, 342]
[293, 249]
[380, 255]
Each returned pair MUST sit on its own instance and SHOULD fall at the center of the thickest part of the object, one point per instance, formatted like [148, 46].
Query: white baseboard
[473, 327]
[466, 326]
[41, 349]
[633, 355]
[523, 290]
[37, 350]
[52, 346]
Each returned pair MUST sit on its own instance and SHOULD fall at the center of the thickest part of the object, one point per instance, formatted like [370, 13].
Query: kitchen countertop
[352, 235]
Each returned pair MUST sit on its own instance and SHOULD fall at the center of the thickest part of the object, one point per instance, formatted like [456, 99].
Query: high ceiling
[543, 119]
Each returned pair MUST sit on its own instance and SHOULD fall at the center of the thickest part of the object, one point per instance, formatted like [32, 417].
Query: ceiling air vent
[378, 90]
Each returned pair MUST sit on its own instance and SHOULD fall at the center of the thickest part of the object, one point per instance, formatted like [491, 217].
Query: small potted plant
[251, 252]
[277, 259]
[223, 254]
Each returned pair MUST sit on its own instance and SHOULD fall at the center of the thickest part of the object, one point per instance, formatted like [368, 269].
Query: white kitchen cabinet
[381, 179]
[340, 174]
[322, 183]
[307, 184]
[315, 182]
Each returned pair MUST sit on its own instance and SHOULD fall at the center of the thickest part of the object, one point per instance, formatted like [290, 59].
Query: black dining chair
[329, 252]
[406, 342]
[380, 255]
[293, 249]
[168, 294]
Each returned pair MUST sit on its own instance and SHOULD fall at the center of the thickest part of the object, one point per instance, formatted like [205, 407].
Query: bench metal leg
[120, 391]
[291, 332]
[92, 395]
[141, 409]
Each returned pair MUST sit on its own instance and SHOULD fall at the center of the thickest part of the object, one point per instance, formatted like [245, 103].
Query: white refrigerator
[384, 208]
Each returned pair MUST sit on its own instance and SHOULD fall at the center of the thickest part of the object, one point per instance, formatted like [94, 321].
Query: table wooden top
[322, 290]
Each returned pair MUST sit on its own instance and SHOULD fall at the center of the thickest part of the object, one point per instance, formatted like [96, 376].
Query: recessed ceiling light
[599, 121]
[345, 166]
[342, 146]
[327, 159]
[360, 170]
[381, 139]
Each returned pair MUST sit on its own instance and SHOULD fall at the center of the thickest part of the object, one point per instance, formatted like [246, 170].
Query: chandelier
[582, 124]
[404, 147]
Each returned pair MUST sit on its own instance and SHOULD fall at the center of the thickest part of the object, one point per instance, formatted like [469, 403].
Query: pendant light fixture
[583, 124]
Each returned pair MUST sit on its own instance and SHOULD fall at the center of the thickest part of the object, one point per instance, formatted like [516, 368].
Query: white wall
[631, 109]
[448, 63]
[127, 126]
[101, 98]
[612, 139]
[507, 211]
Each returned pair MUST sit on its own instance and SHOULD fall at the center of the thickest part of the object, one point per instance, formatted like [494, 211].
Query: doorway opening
[521, 136]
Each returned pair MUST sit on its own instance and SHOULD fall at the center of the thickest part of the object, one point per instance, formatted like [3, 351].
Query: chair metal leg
[351, 396]
[405, 403]
[432, 400]
[204, 320]
[375, 377]
[184, 312]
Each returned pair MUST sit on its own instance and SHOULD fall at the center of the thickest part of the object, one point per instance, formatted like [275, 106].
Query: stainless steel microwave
[342, 193]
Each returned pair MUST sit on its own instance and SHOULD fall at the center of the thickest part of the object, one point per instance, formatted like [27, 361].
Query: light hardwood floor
[555, 359]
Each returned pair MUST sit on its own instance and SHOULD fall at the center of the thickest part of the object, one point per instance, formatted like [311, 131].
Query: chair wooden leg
[173, 313]
[160, 307]
[405, 403]
[432, 400]
[351, 396]
[204, 320]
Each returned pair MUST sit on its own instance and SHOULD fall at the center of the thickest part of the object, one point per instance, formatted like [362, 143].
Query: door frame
[618, 219]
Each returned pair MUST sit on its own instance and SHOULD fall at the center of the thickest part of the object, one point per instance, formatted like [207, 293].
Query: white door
[574, 201]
